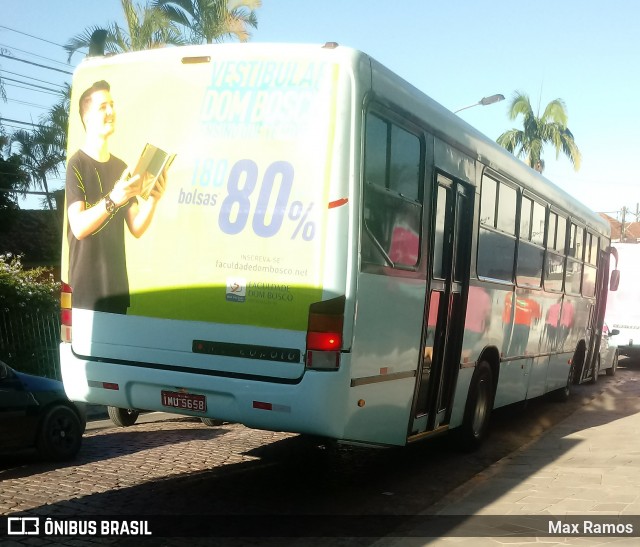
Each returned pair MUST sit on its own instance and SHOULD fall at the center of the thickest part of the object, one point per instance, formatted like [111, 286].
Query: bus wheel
[123, 417]
[614, 365]
[562, 395]
[211, 422]
[577, 364]
[477, 411]
[596, 371]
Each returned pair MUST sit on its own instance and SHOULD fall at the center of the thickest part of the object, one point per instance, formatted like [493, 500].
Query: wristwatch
[108, 203]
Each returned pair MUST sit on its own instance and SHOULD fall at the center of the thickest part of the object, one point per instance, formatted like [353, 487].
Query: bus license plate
[184, 401]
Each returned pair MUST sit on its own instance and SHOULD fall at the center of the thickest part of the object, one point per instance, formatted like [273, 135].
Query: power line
[31, 36]
[12, 48]
[15, 127]
[40, 88]
[21, 122]
[61, 86]
[35, 64]
[28, 104]
[20, 192]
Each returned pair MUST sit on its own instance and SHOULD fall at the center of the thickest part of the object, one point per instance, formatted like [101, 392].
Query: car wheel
[60, 435]
[614, 365]
[211, 422]
[477, 411]
[123, 417]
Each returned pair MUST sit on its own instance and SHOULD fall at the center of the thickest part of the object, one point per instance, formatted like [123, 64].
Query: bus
[622, 310]
[331, 252]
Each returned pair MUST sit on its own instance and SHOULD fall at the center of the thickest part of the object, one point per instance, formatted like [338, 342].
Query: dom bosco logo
[236, 289]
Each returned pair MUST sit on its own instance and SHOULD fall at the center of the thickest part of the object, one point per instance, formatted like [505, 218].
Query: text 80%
[235, 209]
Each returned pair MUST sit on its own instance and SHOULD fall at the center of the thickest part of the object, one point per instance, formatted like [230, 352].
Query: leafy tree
[212, 20]
[147, 28]
[41, 156]
[550, 128]
[13, 181]
[43, 150]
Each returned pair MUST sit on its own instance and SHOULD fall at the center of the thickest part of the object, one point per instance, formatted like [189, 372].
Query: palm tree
[147, 28]
[13, 182]
[57, 118]
[41, 157]
[44, 149]
[212, 20]
[550, 128]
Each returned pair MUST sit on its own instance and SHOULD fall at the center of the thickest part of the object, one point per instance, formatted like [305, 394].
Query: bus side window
[392, 182]
[530, 260]
[590, 262]
[497, 241]
[573, 274]
[555, 257]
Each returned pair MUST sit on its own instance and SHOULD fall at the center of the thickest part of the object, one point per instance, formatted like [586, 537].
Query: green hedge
[29, 318]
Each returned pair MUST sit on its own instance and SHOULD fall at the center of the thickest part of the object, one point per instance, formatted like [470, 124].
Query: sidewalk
[586, 468]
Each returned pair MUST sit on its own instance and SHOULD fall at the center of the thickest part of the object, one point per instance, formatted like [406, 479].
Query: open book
[152, 162]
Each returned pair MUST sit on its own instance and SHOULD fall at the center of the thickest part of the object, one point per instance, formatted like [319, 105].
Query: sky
[585, 52]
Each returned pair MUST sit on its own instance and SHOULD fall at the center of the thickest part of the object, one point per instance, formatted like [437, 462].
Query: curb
[466, 488]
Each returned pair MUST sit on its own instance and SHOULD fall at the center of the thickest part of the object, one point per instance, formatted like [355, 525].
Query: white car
[608, 357]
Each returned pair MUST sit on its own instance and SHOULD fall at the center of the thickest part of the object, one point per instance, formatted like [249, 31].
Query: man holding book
[101, 198]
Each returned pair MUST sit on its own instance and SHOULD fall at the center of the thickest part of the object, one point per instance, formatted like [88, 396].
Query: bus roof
[441, 122]
[458, 133]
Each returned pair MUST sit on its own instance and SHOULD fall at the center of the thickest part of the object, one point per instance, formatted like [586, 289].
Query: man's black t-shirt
[97, 263]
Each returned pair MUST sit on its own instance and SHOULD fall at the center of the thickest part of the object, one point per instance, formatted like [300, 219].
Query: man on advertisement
[102, 197]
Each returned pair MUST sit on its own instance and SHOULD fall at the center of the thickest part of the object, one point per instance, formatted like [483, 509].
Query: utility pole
[623, 221]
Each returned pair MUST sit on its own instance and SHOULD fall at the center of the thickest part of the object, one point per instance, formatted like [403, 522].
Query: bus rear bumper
[312, 405]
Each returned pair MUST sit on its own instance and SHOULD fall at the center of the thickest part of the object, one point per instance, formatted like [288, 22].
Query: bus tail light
[324, 334]
[65, 312]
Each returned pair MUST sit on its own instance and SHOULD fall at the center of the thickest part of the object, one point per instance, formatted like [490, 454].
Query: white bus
[334, 253]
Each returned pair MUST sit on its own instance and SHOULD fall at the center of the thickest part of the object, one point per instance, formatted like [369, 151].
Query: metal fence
[29, 341]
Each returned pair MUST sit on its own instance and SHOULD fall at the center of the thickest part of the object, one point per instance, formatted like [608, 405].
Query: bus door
[445, 306]
[596, 316]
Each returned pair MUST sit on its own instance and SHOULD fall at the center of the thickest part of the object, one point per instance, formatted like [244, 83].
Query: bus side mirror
[614, 332]
[615, 280]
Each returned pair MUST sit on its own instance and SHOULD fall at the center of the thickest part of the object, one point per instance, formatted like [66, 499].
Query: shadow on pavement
[182, 468]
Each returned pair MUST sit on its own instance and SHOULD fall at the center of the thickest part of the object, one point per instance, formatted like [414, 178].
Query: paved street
[172, 465]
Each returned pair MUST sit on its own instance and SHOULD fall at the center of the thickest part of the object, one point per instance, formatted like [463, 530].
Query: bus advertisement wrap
[293, 238]
[237, 234]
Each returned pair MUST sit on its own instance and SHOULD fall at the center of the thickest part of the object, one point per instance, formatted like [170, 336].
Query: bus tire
[477, 412]
[211, 422]
[596, 371]
[614, 365]
[123, 417]
[577, 364]
[562, 395]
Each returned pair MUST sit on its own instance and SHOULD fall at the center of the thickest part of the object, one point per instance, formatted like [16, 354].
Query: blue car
[35, 413]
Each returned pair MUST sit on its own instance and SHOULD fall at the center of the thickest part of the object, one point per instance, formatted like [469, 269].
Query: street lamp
[483, 102]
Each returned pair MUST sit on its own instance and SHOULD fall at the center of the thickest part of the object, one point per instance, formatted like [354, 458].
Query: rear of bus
[240, 289]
